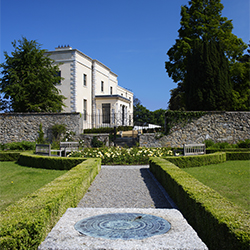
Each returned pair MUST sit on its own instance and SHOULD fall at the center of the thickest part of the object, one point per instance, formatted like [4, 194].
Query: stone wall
[218, 126]
[16, 127]
[228, 127]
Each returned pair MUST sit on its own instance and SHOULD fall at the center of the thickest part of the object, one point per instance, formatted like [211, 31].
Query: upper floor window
[102, 86]
[84, 80]
[111, 91]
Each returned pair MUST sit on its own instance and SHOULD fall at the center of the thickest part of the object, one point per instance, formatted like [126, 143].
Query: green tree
[201, 20]
[142, 115]
[209, 87]
[177, 98]
[30, 78]
[240, 77]
[159, 117]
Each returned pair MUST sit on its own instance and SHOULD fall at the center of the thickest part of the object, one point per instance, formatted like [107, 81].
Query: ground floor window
[106, 112]
[85, 110]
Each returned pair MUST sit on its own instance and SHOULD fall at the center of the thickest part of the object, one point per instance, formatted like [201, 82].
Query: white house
[92, 89]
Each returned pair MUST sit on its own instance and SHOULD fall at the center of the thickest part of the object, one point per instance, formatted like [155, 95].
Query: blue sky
[131, 37]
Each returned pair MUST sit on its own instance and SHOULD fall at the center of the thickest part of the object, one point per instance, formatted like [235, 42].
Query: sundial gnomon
[123, 226]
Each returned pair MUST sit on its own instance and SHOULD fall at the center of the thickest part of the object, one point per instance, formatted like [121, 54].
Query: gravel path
[126, 187]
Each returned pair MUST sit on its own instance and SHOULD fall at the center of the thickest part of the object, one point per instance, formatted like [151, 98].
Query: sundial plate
[123, 226]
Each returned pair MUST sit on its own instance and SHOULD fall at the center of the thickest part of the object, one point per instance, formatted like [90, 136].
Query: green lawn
[231, 179]
[17, 181]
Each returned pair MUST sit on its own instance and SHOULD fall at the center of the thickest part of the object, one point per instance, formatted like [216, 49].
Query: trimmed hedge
[197, 160]
[238, 156]
[9, 156]
[25, 224]
[107, 130]
[220, 223]
[233, 154]
[214, 150]
[48, 162]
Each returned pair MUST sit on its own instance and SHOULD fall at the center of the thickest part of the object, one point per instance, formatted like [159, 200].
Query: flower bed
[123, 156]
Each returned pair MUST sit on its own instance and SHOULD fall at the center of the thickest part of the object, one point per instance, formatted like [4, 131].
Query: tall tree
[29, 79]
[240, 76]
[142, 116]
[201, 20]
[208, 85]
[177, 98]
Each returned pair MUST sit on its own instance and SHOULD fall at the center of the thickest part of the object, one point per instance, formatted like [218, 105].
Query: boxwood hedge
[197, 160]
[25, 224]
[48, 162]
[9, 156]
[233, 156]
[220, 223]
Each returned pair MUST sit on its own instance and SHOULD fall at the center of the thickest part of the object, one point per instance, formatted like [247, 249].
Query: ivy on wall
[182, 118]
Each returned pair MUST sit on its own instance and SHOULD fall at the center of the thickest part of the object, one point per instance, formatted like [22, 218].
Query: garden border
[220, 223]
[25, 224]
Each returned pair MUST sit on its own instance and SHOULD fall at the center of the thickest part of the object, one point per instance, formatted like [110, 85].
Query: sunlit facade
[92, 89]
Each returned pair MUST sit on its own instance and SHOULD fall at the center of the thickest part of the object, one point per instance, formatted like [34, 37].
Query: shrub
[123, 156]
[220, 223]
[68, 136]
[209, 143]
[58, 130]
[40, 139]
[244, 144]
[222, 145]
[95, 143]
[21, 146]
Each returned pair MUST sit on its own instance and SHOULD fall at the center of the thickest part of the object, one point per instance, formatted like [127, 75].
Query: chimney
[63, 47]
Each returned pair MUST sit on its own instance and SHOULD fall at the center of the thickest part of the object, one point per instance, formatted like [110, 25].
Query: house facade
[92, 89]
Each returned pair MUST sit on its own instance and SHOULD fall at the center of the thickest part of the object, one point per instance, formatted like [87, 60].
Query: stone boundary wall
[16, 127]
[218, 126]
[225, 126]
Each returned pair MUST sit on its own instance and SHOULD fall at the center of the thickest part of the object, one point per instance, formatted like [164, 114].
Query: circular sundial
[123, 226]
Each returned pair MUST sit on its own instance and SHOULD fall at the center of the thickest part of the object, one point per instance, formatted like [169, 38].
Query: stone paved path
[126, 187]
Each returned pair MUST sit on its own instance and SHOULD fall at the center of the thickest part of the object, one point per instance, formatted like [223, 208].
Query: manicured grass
[231, 179]
[17, 181]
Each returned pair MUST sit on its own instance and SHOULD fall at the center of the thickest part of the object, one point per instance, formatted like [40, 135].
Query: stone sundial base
[65, 236]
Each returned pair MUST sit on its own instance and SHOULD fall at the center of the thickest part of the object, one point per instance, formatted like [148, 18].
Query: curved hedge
[9, 156]
[220, 223]
[25, 224]
[48, 162]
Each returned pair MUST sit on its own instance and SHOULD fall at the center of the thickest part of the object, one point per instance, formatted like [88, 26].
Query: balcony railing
[102, 120]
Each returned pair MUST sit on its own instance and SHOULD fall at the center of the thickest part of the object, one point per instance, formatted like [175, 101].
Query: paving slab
[65, 236]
